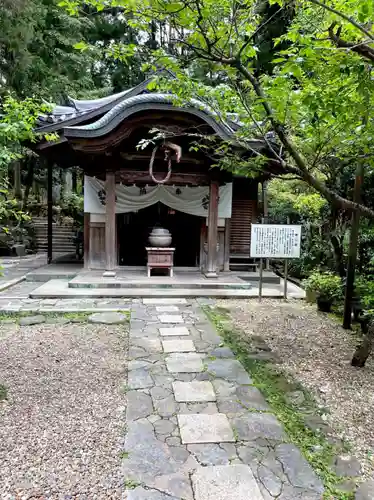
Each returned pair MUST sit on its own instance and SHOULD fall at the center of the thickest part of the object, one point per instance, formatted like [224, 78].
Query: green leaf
[82, 46]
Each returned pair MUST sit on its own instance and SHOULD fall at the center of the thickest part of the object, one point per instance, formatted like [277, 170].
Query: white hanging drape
[191, 200]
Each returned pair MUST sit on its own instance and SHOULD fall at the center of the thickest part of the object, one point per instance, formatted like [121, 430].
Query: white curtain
[191, 200]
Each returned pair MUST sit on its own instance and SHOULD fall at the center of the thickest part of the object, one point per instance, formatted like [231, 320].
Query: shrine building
[133, 184]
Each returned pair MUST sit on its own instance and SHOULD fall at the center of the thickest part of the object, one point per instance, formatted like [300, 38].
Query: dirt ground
[316, 351]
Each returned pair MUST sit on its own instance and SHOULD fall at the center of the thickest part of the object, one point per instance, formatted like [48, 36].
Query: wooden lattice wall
[244, 212]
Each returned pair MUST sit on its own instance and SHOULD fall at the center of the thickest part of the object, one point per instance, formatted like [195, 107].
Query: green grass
[130, 484]
[4, 316]
[318, 451]
[17, 315]
[79, 317]
[3, 393]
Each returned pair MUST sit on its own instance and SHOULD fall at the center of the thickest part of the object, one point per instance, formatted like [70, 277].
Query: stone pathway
[13, 269]
[14, 300]
[197, 429]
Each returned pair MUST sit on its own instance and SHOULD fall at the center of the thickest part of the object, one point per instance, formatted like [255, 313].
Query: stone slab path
[21, 304]
[197, 428]
[12, 269]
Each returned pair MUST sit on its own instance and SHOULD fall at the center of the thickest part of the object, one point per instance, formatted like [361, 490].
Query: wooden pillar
[86, 241]
[265, 208]
[226, 260]
[49, 213]
[202, 242]
[110, 225]
[211, 268]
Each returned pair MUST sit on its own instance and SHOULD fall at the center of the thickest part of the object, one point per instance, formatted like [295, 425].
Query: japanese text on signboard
[275, 241]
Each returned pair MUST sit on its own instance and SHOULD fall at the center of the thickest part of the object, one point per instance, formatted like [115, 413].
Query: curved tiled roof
[101, 116]
[146, 102]
[75, 108]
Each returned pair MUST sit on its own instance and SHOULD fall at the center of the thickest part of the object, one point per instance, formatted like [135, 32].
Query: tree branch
[362, 49]
[244, 46]
[301, 164]
[345, 17]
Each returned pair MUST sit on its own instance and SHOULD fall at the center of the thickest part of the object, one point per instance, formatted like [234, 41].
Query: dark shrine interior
[133, 230]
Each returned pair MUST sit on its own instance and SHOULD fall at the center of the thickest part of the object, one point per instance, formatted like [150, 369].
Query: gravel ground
[317, 353]
[61, 429]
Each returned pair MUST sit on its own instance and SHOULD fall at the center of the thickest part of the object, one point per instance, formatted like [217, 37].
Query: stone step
[55, 231]
[59, 289]
[55, 235]
[103, 283]
[54, 225]
[242, 266]
[62, 241]
[58, 249]
[140, 292]
[56, 244]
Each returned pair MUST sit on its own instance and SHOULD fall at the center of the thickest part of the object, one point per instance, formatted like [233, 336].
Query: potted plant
[327, 288]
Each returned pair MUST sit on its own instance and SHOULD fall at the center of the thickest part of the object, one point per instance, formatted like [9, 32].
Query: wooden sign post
[275, 241]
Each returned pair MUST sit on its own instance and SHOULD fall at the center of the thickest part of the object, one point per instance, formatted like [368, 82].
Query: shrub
[364, 289]
[325, 285]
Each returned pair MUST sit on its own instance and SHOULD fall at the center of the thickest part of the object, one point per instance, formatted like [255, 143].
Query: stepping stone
[297, 469]
[347, 466]
[31, 320]
[164, 301]
[179, 331]
[229, 369]
[171, 318]
[49, 302]
[139, 379]
[193, 392]
[178, 345]
[108, 318]
[365, 491]
[200, 428]
[139, 405]
[225, 482]
[184, 363]
[57, 321]
[165, 309]
[222, 352]
[208, 454]
[140, 493]
[254, 426]
[149, 345]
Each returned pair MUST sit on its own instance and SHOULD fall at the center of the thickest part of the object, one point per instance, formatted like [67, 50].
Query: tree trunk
[338, 255]
[62, 184]
[363, 351]
[352, 251]
[17, 180]
[74, 180]
[68, 182]
[29, 182]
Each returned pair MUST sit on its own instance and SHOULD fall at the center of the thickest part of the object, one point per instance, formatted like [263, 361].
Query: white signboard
[275, 241]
